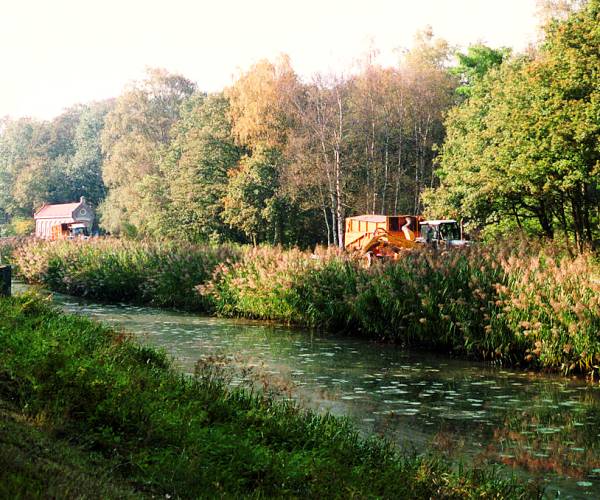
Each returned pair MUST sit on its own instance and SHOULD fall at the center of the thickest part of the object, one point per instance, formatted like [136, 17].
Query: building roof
[380, 218]
[56, 211]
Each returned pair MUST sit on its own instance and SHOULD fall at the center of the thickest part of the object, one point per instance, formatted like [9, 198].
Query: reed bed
[8, 245]
[523, 304]
[528, 304]
[160, 274]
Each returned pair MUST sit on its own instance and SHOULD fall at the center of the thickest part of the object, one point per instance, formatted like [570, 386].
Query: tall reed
[521, 304]
[8, 245]
[161, 274]
[525, 304]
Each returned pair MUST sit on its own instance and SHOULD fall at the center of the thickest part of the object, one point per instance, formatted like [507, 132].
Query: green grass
[37, 464]
[155, 432]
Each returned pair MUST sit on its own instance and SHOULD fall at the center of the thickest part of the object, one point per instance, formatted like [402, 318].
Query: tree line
[507, 141]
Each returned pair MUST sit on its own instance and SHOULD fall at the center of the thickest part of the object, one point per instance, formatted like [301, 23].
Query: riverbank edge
[122, 405]
[529, 306]
[36, 464]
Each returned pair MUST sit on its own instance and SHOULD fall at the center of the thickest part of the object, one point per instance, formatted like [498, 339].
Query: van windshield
[449, 231]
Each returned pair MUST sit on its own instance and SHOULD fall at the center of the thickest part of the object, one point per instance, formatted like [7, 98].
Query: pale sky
[56, 53]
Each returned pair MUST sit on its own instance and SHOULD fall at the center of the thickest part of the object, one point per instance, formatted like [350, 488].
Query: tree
[259, 104]
[323, 122]
[51, 162]
[432, 89]
[251, 202]
[475, 64]
[196, 170]
[84, 169]
[526, 143]
[137, 132]
[263, 123]
[22, 144]
[553, 10]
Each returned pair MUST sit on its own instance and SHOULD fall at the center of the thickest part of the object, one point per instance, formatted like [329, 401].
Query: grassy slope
[37, 464]
[129, 415]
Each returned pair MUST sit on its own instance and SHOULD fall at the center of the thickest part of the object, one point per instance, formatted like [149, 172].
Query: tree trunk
[545, 221]
[338, 171]
[385, 175]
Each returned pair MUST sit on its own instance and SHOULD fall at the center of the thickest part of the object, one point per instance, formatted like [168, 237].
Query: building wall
[85, 215]
[43, 227]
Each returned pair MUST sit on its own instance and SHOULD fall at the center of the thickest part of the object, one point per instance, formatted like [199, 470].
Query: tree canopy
[524, 148]
[508, 141]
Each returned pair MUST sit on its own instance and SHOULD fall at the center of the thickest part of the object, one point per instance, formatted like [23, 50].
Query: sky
[57, 53]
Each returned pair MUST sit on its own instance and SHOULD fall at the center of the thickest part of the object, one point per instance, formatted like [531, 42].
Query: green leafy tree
[84, 170]
[136, 135]
[252, 204]
[196, 169]
[475, 64]
[51, 162]
[22, 144]
[525, 146]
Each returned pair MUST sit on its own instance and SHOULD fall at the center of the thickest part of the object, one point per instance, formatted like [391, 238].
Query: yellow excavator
[389, 235]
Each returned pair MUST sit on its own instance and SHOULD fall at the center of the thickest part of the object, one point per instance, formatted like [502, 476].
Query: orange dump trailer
[382, 235]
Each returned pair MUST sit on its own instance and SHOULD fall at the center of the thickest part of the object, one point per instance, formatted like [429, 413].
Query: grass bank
[151, 431]
[525, 304]
[36, 463]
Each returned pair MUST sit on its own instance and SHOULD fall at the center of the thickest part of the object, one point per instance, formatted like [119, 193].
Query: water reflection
[544, 425]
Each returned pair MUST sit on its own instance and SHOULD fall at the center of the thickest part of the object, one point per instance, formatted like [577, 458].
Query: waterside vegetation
[159, 274]
[148, 430]
[524, 304]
